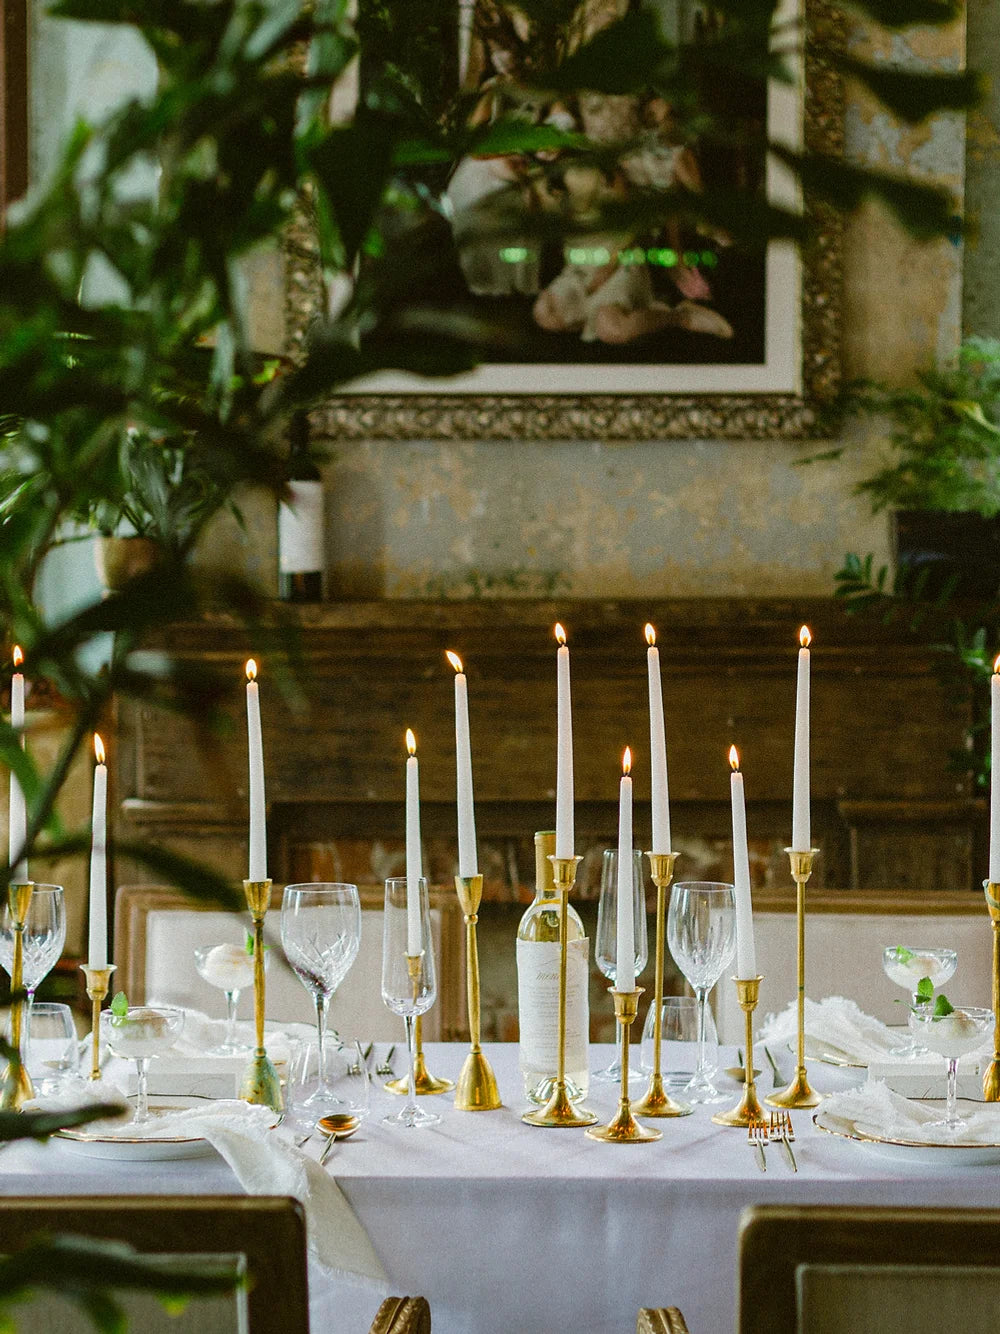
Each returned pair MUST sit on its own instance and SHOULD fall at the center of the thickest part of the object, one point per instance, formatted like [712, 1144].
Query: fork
[757, 1139]
[781, 1130]
[385, 1067]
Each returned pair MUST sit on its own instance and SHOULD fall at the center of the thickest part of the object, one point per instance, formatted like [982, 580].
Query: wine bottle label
[300, 529]
[538, 1003]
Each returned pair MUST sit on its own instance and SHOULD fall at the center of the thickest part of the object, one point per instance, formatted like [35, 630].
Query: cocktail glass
[144, 1031]
[952, 1035]
[906, 966]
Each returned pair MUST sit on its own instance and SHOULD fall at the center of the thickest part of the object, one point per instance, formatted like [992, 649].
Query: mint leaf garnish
[925, 989]
[903, 955]
[942, 1006]
[119, 1006]
[249, 944]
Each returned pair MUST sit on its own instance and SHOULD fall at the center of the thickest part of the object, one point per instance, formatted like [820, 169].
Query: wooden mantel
[887, 810]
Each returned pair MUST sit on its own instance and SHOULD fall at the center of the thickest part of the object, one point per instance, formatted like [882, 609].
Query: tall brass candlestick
[98, 986]
[623, 1128]
[559, 1111]
[657, 1102]
[748, 1108]
[423, 1082]
[477, 1085]
[991, 1075]
[799, 1093]
[260, 1083]
[17, 1087]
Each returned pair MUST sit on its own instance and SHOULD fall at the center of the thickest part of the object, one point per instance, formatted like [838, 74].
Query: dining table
[508, 1228]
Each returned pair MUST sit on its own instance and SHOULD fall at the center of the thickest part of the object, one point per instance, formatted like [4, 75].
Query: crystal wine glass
[44, 937]
[142, 1032]
[409, 984]
[230, 968]
[952, 1035]
[320, 933]
[606, 947]
[701, 931]
[906, 966]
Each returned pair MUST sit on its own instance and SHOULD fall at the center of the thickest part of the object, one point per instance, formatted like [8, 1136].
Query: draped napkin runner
[875, 1110]
[838, 1022]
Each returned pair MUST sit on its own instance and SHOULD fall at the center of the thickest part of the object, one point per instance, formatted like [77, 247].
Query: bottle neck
[545, 846]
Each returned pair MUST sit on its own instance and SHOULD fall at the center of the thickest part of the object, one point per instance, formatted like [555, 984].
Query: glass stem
[411, 1047]
[26, 1036]
[322, 1002]
[232, 1000]
[142, 1093]
[702, 995]
[951, 1115]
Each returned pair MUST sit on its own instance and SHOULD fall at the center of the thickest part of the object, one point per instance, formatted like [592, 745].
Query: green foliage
[119, 1005]
[925, 989]
[943, 1006]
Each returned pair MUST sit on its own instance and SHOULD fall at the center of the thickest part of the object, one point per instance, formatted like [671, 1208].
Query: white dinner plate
[141, 1148]
[914, 1151]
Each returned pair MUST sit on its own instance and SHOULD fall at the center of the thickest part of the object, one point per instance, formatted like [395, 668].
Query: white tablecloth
[508, 1229]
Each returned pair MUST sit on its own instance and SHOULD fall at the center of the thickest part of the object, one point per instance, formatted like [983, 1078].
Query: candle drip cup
[260, 1083]
[748, 1108]
[657, 1101]
[98, 986]
[17, 1088]
[991, 1075]
[476, 1090]
[623, 1128]
[799, 1093]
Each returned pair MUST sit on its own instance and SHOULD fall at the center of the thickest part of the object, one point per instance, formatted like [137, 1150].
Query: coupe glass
[320, 933]
[951, 1036]
[44, 937]
[701, 931]
[230, 968]
[606, 947]
[906, 965]
[143, 1032]
[409, 984]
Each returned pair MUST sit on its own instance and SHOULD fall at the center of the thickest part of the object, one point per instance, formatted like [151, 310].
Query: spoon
[737, 1072]
[341, 1125]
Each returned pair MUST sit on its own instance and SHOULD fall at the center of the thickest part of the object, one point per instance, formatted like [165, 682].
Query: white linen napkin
[837, 1021]
[874, 1109]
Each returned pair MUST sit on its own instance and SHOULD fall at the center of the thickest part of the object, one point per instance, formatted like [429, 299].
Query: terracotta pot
[121, 559]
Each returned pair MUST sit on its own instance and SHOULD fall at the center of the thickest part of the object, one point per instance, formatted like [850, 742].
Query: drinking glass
[320, 933]
[906, 965]
[44, 937]
[678, 1040]
[606, 947]
[951, 1036]
[346, 1076]
[54, 1053]
[409, 984]
[144, 1031]
[701, 931]
[230, 968]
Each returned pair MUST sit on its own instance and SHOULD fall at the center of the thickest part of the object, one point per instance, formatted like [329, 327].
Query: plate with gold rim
[147, 1148]
[916, 1152]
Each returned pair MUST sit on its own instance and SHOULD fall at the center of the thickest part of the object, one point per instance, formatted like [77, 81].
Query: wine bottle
[301, 522]
[538, 988]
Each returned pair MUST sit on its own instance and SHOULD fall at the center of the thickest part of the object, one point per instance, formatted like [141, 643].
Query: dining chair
[265, 1234]
[402, 1315]
[157, 930]
[853, 1269]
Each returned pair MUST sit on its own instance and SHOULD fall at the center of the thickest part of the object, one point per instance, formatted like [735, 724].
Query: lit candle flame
[650, 635]
[560, 633]
[17, 655]
[251, 670]
[805, 638]
[454, 659]
[734, 757]
[411, 742]
[996, 665]
[98, 748]
[627, 761]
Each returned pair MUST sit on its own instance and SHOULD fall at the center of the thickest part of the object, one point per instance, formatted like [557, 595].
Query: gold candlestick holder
[657, 1101]
[623, 1128]
[991, 1075]
[799, 1093]
[17, 1087]
[559, 1111]
[98, 986]
[260, 1083]
[477, 1084]
[423, 1082]
[748, 1108]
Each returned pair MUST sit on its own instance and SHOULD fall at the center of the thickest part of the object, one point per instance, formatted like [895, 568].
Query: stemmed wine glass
[139, 1033]
[320, 933]
[952, 1035]
[44, 937]
[230, 968]
[409, 984]
[606, 947]
[907, 967]
[701, 931]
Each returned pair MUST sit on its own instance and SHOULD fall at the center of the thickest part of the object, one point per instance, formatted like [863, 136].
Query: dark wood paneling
[13, 101]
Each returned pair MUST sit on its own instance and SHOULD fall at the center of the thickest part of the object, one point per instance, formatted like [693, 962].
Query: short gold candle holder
[991, 1075]
[477, 1084]
[559, 1112]
[260, 1083]
[799, 1093]
[17, 1088]
[98, 986]
[657, 1101]
[623, 1128]
[748, 1109]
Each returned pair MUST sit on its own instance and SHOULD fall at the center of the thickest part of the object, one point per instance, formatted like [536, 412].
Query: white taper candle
[657, 748]
[800, 775]
[18, 815]
[625, 921]
[97, 941]
[746, 955]
[255, 751]
[413, 867]
[468, 862]
[994, 865]
[564, 750]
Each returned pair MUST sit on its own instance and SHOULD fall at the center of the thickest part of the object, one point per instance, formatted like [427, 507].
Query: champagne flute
[44, 937]
[409, 984]
[606, 947]
[320, 933]
[701, 931]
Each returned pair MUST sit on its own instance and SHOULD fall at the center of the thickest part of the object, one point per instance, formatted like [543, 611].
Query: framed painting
[671, 332]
